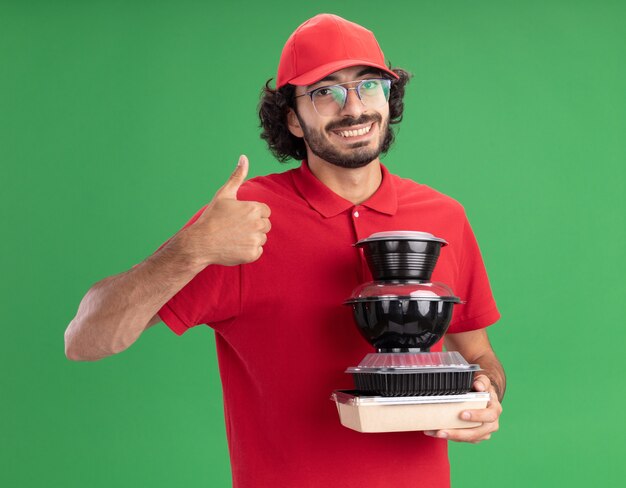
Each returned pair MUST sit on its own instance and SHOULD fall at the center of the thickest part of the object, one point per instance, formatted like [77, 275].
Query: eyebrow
[369, 70]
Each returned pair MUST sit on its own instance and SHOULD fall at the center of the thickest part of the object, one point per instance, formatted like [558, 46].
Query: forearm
[116, 310]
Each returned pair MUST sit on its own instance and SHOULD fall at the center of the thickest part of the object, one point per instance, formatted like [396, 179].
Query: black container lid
[401, 235]
[403, 290]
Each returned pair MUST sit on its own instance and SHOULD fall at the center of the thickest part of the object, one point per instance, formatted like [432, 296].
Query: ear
[294, 124]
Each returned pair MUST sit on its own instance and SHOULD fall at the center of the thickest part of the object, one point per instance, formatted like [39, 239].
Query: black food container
[405, 316]
[423, 382]
[401, 255]
[408, 374]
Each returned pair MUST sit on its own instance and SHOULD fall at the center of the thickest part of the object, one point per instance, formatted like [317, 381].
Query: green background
[119, 119]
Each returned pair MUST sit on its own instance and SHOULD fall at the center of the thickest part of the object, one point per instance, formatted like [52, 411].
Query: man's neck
[354, 184]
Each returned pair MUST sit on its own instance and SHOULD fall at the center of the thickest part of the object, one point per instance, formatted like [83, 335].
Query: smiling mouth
[354, 132]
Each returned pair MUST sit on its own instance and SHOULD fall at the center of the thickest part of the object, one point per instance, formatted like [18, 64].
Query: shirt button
[356, 214]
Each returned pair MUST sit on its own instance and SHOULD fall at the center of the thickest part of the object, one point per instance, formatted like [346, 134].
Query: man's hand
[229, 231]
[488, 416]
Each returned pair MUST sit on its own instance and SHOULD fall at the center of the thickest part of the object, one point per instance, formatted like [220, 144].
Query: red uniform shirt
[284, 338]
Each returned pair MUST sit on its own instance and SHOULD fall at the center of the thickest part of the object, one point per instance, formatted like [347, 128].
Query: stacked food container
[403, 386]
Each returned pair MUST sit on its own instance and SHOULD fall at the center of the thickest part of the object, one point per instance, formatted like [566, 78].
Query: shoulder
[412, 193]
[270, 186]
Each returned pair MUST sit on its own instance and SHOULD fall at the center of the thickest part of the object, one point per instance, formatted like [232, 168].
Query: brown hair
[275, 104]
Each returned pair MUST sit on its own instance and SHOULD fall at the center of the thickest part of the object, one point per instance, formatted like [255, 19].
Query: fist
[229, 231]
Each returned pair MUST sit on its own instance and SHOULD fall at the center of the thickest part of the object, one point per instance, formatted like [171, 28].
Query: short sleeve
[212, 297]
[472, 286]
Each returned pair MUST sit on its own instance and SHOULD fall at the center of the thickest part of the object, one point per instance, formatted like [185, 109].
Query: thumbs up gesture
[229, 231]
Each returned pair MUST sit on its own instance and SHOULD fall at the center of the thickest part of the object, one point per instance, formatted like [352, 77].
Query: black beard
[357, 157]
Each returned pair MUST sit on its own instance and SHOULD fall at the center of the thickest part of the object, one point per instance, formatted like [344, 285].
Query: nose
[353, 106]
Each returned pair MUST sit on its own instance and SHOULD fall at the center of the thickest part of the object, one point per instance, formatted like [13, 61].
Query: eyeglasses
[330, 100]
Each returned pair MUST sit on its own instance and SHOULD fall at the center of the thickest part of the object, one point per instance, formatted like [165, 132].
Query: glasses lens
[374, 93]
[329, 100]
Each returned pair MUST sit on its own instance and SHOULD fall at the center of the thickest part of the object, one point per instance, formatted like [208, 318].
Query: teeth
[353, 133]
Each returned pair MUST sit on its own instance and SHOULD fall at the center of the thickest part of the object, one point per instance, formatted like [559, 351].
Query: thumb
[229, 190]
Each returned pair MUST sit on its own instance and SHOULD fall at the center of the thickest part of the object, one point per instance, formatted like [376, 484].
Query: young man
[274, 299]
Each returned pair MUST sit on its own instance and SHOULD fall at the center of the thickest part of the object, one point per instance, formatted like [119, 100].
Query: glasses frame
[359, 83]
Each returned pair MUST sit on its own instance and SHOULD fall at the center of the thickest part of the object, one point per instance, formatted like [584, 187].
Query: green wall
[119, 119]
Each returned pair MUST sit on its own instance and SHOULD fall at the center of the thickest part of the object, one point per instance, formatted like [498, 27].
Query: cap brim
[322, 71]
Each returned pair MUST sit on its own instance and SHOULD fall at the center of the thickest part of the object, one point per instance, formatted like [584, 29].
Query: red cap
[325, 44]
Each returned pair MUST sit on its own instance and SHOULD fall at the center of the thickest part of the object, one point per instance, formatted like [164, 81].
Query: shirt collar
[329, 204]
